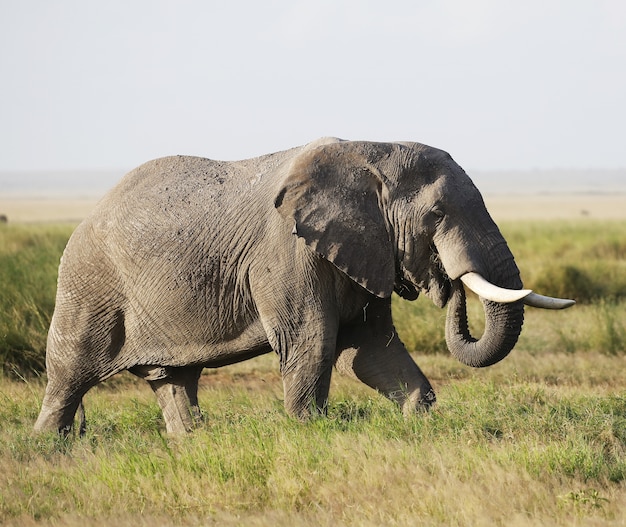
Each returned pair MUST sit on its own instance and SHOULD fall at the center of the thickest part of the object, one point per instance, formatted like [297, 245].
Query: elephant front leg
[306, 381]
[390, 371]
[306, 363]
[300, 319]
[371, 352]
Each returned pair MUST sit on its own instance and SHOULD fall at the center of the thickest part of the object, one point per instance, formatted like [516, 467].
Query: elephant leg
[306, 381]
[58, 409]
[63, 400]
[371, 352]
[81, 337]
[297, 306]
[68, 382]
[306, 363]
[390, 371]
[176, 390]
[174, 404]
[191, 376]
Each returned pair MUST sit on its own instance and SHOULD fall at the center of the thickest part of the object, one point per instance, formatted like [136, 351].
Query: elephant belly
[166, 345]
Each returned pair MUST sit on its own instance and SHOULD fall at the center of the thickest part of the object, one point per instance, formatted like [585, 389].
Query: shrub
[568, 281]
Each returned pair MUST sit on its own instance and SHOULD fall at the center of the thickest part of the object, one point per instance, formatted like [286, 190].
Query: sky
[500, 84]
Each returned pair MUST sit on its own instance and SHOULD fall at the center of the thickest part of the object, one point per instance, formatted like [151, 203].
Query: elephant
[190, 263]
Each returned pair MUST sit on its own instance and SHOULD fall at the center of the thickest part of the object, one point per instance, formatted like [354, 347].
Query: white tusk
[492, 292]
[547, 302]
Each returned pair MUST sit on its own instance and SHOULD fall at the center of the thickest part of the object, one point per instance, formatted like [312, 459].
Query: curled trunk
[503, 324]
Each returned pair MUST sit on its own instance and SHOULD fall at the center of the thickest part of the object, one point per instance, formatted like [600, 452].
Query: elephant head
[406, 217]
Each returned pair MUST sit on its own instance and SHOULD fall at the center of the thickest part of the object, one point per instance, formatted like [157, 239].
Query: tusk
[547, 302]
[488, 291]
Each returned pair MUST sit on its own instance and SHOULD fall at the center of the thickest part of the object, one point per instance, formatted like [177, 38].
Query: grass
[538, 439]
[514, 446]
[29, 257]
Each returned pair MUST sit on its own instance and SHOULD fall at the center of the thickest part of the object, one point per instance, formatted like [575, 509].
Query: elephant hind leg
[67, 383]
[176, 390]
[83, 342]
[63, 398]
[58, 410]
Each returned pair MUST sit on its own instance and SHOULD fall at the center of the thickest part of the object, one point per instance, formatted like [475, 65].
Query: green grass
[504, 445]
[29, 257]
[584, 260]
[538, 439]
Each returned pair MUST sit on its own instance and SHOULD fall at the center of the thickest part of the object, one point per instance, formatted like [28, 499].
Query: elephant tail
[82, 421]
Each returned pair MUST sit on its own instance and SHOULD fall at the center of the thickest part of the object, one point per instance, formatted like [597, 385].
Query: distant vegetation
[29, 258]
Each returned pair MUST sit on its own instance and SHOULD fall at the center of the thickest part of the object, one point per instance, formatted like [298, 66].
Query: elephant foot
[59, 418]
[196, 415]
[418, 402]
[306, 397]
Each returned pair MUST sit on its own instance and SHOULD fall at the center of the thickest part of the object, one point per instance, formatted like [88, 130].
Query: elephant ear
[335, 197]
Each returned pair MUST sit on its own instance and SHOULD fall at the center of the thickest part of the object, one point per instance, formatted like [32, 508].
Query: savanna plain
[538, 439]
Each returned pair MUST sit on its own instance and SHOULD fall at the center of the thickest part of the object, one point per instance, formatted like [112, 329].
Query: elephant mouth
[434, 282]
[405, 288]
[438, 286]
[439, 290]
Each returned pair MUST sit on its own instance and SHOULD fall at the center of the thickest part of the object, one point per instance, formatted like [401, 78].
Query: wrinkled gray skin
[191, 263]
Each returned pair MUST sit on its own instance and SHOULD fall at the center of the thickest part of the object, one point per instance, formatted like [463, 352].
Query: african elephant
[191, 263]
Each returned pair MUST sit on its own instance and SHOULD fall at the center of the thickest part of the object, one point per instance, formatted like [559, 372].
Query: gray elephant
[191, 263]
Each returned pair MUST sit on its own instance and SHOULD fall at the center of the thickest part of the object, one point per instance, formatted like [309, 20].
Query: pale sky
[499, 84]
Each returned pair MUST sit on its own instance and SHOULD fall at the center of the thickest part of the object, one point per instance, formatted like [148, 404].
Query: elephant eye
[439, 214]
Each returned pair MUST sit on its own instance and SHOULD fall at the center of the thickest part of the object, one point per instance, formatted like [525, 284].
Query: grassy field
[538, 439]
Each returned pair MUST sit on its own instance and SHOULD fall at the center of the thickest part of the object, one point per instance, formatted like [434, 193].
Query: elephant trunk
[503, 325]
